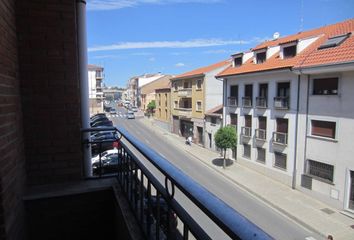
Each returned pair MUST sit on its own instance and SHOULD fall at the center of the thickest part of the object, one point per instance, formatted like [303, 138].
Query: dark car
[165, 215]
[108, 165]
[98, 120]
[107, 123]
[103, 141]
[97, 115]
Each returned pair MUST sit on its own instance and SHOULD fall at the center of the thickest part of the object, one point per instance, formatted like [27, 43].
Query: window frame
[196, 106]
[319, 136]
[250, 149]
[317, 177]
[265, 155]
[201, 84]
[257, 58]
[287, 47]
[325, 77]
[286, 161]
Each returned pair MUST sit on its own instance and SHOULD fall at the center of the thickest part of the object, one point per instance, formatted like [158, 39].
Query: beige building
[163, 106]
[147, 91]
[192, 94]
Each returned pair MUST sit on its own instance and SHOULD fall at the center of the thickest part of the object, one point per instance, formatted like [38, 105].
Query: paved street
[273, 222]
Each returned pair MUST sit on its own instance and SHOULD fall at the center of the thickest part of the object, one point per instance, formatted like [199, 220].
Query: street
[268, 219]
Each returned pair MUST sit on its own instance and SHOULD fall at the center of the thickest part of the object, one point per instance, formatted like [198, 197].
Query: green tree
[225, 138]
[151, 106]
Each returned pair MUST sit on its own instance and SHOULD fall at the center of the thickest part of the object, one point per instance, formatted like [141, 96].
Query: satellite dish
[276, 35]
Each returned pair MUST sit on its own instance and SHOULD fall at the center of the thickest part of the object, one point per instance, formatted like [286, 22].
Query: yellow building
[192, 94]
[163, 106]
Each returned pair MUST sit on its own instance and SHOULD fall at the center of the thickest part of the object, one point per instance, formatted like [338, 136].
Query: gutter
[189, 76]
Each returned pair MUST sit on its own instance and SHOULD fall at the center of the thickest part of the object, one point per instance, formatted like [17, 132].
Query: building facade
[192, 94]
[213, 121]
[163, 107]
[95, 78]
[290, 100]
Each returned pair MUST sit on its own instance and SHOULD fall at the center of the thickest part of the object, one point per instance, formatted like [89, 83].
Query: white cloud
[180, 65]
[141, 54]
[152, 59]
[97, 5]
[217, 51]
[195, 43]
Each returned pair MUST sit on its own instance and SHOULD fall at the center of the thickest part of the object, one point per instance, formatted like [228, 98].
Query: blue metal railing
[158, 213]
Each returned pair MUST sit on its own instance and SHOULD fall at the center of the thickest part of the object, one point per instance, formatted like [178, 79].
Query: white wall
[92, 83]
[338, 152]
[272, 78]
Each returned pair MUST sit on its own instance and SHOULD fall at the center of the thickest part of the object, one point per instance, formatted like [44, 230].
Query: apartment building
[192, 94]
[95, 78]
[163, 106]
[290, 100]
[147, 91]
[213, 121]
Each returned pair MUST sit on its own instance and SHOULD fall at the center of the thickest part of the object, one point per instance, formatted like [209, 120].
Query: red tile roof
[203, 70]
[311, 56]
[216, 111]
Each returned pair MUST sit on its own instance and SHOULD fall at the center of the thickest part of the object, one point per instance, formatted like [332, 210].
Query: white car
[134, 109]
[104, 155]
[130, 115]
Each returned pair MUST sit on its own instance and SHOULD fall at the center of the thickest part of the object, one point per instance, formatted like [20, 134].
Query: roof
[161, 82]
[94, 67]
[216, 111]
[203, 70]
[310, 56]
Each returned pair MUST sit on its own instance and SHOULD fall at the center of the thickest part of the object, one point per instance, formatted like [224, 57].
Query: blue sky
[133, 37]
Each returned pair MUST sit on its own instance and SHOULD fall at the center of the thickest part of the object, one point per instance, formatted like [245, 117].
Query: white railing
[246, 131]
[232, 101]
[246, 102]
[260, 134]
[280, 138]
[281, 102]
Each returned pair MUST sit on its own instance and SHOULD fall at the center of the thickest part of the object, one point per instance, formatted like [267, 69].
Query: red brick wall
[48, 61]
[12, 160]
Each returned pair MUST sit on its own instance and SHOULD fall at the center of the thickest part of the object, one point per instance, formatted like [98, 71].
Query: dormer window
[334, 41]
[238, 61]
[289, 52]
[261, 57]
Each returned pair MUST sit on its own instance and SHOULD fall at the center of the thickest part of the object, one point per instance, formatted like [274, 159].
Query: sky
[133, 37]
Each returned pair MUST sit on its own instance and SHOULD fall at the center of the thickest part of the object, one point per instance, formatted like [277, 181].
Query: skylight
[334, 41]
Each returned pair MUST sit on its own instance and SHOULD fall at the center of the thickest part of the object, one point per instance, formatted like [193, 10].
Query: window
[199, 84]
[261, 57]
[186, 84]
[233, 119]
[175, 85]
[238, 61]
[325, 86]
[320, 170]
[334, 41]
[234, 91]
[323, 129]
[289, 52]
[213, 120]
[248, 121]
[261, 154]
[176, 104]
[247, 150]
[280, 160]
[199, 106]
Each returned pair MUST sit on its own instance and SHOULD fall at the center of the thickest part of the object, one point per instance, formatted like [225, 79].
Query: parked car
[134, 109]
[108, 165]
[103, 142]
[104, 155]
[113, 111]
[98, 119]
[130, 115]
[164, 214]
[104, 122]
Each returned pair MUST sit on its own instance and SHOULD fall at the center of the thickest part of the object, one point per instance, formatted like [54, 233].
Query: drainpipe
[307, 120]
[293, 184]
[83, 75]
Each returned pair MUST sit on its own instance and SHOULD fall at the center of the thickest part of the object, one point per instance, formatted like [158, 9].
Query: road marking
[310, 238]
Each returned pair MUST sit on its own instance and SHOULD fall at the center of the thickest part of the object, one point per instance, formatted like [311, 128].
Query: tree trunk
[224, 162]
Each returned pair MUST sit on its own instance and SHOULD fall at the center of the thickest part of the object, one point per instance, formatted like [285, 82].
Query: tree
[225, 138]
[151, 106]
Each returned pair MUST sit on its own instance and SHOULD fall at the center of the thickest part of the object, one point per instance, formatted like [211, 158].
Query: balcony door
[284, 89]
[282, 125]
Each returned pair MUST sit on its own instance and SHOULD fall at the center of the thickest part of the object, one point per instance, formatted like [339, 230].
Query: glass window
[238, 61]
[199, 106]
[323, 128]
[199, 84]
[261, 57]
[320, 170]
[289, 52]
[325, 86]
[247, 150]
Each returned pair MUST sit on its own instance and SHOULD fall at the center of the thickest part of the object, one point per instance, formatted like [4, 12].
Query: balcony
[148, 182]
[261, 102]
[281, 103]
[247, 102]
[260, 134]
[280, 138]
[185, 92]
[184, 112]
[232, 101]
[246, 132]
[99, 75]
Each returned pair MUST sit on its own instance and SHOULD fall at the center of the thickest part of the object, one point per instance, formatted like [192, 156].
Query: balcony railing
[261, 102]
[281, 102]
[246, 102]
[150, 181]
[246, 131]
[232, 101]
[184, 112]
[260, 134]
[185, 92]
[280, 138]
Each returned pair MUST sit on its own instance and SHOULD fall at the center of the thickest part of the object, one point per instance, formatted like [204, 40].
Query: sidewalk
[297, 206]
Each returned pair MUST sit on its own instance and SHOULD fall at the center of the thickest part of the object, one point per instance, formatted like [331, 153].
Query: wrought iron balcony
[281, 102]
[261, 102]
[261, 134]
[246, 132]
[150, 182]
[247, 102]
[280, 138]
[232, 101]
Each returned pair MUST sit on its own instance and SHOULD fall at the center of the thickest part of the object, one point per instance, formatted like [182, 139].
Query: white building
[291, 100]
[95, 78]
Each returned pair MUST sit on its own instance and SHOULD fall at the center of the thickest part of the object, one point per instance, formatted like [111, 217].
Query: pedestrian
[329, 237]
[189, 140]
